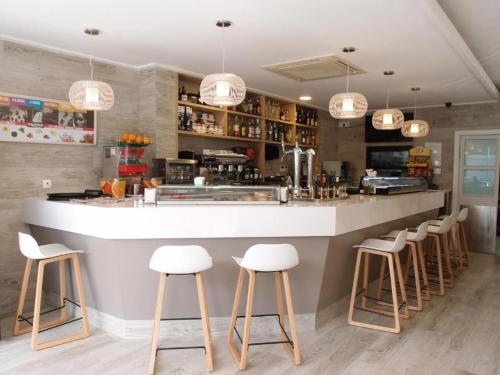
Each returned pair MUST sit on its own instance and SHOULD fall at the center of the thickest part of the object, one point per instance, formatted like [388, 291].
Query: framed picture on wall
[36, 120]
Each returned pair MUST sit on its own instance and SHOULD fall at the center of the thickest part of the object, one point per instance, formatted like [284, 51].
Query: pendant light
[415, 128]
[222, 89]
[91, 95]
[348, 105]
[388, 118]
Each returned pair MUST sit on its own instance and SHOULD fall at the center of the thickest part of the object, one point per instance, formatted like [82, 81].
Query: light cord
[348, 69]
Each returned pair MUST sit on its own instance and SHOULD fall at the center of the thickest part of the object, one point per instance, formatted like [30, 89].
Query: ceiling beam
[455, 40]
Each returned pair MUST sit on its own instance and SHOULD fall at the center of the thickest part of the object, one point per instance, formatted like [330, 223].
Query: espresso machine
[225, 167]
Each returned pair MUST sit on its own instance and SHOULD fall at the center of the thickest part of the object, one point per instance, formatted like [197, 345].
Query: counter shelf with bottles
[218, 194]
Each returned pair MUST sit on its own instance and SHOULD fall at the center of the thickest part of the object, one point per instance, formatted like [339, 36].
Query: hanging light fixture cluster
[222, 89]
[415, 128]
[91, 95]
[348, 105]
[388, 118]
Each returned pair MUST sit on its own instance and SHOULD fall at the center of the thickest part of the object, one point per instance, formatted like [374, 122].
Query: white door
[477, 188]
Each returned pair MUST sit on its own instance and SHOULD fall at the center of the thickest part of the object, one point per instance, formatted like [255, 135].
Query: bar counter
[119, 239]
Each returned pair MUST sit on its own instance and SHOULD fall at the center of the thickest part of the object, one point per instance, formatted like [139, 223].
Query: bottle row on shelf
[239, 126]
[279, 132]
[277, 110]
[250, 105]
[307, 137]
[307, 117]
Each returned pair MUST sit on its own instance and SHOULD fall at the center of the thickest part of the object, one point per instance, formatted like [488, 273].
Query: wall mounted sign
[36, 120]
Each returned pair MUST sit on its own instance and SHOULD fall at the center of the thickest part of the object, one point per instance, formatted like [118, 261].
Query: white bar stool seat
[278, 259]
[389, 250]
[181, 260]
[46, 254]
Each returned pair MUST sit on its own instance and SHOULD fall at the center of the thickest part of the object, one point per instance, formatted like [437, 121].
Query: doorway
[476, 186]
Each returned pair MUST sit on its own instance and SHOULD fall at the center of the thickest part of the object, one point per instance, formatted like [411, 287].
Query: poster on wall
[36, 120]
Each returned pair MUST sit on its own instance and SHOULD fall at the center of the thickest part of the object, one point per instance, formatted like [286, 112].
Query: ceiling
[412, 37]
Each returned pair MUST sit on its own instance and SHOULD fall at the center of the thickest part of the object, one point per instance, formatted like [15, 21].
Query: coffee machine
[226, 167]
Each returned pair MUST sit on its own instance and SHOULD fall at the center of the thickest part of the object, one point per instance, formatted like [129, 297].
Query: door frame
[456, 158]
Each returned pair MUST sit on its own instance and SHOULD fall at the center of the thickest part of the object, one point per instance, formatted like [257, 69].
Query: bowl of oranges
[136, 139]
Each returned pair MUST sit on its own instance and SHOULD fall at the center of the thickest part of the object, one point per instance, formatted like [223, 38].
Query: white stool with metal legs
[183, 261]
[46, 254]
[414, 242]
[389, 250]
[277, 259]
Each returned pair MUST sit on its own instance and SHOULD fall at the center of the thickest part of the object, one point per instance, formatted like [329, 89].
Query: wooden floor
[455, 334]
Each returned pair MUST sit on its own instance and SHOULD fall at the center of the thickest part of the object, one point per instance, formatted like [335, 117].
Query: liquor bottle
[315, 118]
[258, 107]
[276, 136]
[184, 96]
[236, 127]
[251, 130]
[270, 131]
[302, 137]
[313, 139]
[244, 129]
[257, 129]
[308, 138]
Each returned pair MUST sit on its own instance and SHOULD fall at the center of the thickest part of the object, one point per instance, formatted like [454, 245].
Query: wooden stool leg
[446, 247]
[366, 274]
[390, 260]
[236, 304]
[458, 246]
[38, 303]
[81, 295]
[423, 269]
[464, 242]
[156, 323]
[248, 320]
[437, 248]
[207, 335]
[350, 314]
[408, 264]
[416, 272]
[291, 319]
[402, 287]
[62, 289]
[22, 299]
[381, 277]
[281, 310]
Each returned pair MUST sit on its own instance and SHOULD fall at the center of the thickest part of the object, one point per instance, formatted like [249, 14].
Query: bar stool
[46, 254]
[462, 217]
[181, 260]
[277, 259]
[389, 250]
[449, 244]
[414, 242]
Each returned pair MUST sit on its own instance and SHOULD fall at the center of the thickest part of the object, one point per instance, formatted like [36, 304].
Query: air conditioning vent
[314, 68]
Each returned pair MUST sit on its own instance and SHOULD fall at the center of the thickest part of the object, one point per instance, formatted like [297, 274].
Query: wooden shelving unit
[222, 118]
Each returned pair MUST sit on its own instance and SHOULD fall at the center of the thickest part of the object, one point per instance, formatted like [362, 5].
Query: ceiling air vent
[314, 68]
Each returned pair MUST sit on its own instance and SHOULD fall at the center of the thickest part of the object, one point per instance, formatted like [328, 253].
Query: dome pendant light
[388, 118]
[415, 128]
[222, 89]
[91, 95]
[348, 105]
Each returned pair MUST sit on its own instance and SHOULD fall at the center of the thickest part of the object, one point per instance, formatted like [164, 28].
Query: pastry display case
[218, 194]
[394, 185]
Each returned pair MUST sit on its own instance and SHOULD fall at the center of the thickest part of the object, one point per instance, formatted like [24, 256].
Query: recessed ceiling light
[305, 98]
[224, 23]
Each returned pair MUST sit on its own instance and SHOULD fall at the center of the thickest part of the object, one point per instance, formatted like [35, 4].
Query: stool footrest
[22, 318]
[287, 341]
[378, 300]
[182, 348]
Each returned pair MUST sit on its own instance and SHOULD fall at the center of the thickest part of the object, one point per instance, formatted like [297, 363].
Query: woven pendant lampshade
[348, 105]
[91, 95]
[222, 89]
[415, 128]
[388, 118]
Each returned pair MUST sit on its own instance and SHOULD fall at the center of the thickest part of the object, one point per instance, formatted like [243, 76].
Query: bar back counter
[119, 239]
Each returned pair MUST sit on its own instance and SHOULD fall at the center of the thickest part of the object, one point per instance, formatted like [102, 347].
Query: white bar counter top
[294, 219]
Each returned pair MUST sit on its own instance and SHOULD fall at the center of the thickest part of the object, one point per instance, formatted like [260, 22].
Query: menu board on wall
[36, 120]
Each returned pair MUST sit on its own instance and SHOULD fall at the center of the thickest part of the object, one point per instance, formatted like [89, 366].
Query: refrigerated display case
[394, 185]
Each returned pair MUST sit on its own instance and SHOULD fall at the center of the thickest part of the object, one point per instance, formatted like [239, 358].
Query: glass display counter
[218, 194]
[394, 185]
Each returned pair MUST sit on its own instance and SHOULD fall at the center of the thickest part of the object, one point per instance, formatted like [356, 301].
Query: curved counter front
[118, 240]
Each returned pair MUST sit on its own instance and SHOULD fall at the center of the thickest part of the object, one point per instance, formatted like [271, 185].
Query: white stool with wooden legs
[181, 260]
[389, 250]
[277, 259]
[448, 241]
[46, 254]
[414, 242]
[462, 217]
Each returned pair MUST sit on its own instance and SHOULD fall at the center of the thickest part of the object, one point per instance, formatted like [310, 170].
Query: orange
[132, 138]
[139, 139]
[118, 188]
[124, 137]
[106, 186]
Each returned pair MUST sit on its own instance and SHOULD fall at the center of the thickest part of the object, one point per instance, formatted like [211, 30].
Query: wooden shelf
[308, 146]
[280, 121]
[279, 143]
[307, 126]
[244, 114]
[213, 136]
[203, 107]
